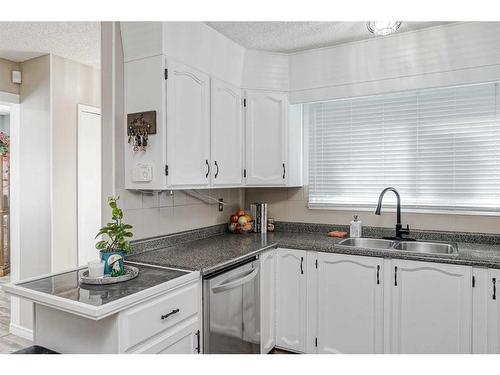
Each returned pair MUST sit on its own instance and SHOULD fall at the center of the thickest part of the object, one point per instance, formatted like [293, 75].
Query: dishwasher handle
[238, 282]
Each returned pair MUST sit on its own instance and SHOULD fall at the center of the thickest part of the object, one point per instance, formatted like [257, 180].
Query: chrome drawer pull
[170, 313]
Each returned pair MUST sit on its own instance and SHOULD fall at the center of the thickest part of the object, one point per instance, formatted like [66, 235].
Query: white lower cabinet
[350, 304]
[492, 285]
[337, 303]
[431, 307]
[291, 299]
[267, 301]
[169, 322]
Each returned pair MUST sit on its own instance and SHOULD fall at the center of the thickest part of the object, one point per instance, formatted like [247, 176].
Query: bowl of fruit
[240, 222]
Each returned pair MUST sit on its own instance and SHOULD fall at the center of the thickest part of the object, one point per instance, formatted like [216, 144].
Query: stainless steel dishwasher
[231, 309]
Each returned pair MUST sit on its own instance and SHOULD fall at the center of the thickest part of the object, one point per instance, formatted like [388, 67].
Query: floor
[8, 342]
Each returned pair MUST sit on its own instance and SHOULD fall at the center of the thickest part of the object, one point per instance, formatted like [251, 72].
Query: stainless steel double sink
[423, 247]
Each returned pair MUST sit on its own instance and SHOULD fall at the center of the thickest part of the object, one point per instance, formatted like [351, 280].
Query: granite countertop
[63, 291]
[211, 254]
[207, 255]
[67, 285]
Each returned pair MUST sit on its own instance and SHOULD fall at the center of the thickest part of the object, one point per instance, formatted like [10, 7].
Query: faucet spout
[399, 230]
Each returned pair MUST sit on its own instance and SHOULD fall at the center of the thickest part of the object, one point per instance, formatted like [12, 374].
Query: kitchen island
[158, 311]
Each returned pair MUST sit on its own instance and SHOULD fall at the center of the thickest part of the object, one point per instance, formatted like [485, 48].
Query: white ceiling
[79, 41]
[290, 37]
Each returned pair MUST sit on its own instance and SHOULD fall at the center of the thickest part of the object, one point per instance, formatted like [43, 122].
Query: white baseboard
[20, 331]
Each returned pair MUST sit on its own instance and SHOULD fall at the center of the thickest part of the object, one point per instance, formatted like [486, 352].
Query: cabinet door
[493, 311]
[226, 134]
[431, 307]
[350, 304]
[266, 134]
[291, 299]
[267, 298]
[186, 344]
[188, 126]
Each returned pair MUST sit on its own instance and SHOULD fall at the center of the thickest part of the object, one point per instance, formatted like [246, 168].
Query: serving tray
[131, 272]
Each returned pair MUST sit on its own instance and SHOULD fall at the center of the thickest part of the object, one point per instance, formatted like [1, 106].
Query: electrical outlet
[221, 205]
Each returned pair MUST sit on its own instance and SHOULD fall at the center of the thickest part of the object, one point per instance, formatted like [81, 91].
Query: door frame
[12, 101]
[83, 108]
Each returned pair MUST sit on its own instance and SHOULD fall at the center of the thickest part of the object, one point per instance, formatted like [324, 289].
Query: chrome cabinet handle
[301, 265]
[284, 171]
[208, 168]
[494, 288]
[163, 317]
[378, 274]
[217, 170]
[395, 276]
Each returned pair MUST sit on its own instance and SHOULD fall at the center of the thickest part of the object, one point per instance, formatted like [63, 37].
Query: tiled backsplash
[290, 204]
[157, 214]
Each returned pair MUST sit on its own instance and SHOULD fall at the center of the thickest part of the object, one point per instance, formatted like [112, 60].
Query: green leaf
[101, 245]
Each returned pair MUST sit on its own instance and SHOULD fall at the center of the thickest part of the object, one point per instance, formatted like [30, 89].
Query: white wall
[452, 54]
[6, 68]
[72, 84]
[35, 158]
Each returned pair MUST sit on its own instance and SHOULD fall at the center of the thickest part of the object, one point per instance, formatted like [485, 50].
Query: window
[440, 148]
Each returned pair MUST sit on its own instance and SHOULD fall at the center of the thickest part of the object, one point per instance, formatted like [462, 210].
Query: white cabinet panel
[493, 308]
[266, 134]
[145, 91]
[350, 304]
[431, 307]
[188, 126]
[226, 134]
[267, 297]
[291, 299]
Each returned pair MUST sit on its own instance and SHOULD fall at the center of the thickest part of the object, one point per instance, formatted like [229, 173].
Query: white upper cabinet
[226, 134]
[266, 138]
[350, 304]
[431, 308]
[188, 126]
[291, 299]
[204, 137]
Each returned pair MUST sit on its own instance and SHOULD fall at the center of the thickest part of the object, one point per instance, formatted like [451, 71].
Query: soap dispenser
[356, 226]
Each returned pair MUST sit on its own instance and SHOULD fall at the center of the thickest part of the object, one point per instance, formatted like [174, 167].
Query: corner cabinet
[266, 138]
[291, 299]
[226, 134]
[350, 304]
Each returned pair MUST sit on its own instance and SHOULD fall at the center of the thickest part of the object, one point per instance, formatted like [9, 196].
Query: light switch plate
[16, 76]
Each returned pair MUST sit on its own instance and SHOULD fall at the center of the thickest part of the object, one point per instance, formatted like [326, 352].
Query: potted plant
[116, 243]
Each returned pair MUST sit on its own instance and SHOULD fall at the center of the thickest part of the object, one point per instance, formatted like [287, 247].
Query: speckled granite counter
[213, 253]
[207, 255]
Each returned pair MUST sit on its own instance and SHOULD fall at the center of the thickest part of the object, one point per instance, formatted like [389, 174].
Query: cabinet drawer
[149, 319]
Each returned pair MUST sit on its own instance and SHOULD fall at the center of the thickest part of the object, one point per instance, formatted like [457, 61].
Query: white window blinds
[440, 148]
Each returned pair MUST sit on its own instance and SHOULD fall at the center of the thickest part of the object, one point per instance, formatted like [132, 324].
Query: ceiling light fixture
[383, 27]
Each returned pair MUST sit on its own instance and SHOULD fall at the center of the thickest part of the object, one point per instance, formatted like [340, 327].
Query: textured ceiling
[79, 41]
[297, 36]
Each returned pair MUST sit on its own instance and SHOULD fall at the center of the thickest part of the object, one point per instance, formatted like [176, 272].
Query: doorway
[89, 181]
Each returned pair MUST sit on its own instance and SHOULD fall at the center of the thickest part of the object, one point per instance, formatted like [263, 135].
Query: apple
[232, 227]
[249, 218]
[234, 219]
[240, 213]
[242, 220]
